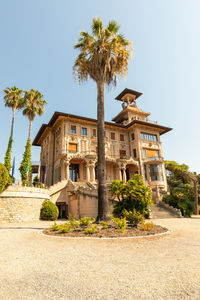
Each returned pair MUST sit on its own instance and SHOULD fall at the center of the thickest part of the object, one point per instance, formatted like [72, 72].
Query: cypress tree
[25, 167]
[7, 159]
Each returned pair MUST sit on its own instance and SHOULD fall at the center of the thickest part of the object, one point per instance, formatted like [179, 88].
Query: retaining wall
[21, 204]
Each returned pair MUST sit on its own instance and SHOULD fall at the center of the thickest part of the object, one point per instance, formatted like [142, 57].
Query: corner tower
[130, 111]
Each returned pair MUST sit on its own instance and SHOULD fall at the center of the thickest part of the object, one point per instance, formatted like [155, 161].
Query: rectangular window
[72, 148]
[94, 132]
[156, 172]
[134, 153]
[122, 137]
[145, 172]
[122, 153]
[112, 135]
[84, 131]
[148, 137]
[73, 129]
[132, 136]
[150, 154]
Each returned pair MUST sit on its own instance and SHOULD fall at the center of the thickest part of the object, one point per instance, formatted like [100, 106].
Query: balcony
[152, 159]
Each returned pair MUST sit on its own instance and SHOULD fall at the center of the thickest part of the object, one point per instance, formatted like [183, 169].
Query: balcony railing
[94, 154]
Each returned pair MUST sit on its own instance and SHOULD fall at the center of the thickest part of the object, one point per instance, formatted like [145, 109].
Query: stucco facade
[132, 145]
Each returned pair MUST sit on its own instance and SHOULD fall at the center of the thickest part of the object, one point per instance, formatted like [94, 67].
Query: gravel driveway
[33, 266]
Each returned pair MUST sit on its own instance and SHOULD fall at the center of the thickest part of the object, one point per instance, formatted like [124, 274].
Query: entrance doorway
[127, 174]
[74, 172]
[63, 210]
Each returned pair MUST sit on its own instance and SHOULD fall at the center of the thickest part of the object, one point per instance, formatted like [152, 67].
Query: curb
[105, 238]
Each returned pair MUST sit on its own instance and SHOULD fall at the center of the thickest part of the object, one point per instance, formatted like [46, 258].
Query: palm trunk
[196, 197]
[30, 127]
[103, 207]
[12, 125]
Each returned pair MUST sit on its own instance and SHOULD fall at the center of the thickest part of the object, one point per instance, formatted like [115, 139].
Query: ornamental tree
[131, 195]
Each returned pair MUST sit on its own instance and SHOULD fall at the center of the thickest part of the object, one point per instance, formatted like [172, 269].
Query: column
[67, 169]
[124, 173]
[87, 172]
[120, 173]
[93, 172]
[62, 170]
[148, 174]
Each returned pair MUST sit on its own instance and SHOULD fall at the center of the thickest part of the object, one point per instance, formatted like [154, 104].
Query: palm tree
[13, 98]
[103, 56]
[33, 105]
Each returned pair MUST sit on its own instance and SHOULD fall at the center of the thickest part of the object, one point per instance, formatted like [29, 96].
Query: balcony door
[74, 172]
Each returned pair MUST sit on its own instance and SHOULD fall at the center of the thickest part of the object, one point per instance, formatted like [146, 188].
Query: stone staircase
[163, 211]
[57, 186]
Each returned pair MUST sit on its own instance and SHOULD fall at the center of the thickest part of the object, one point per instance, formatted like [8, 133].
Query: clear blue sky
[37, 38]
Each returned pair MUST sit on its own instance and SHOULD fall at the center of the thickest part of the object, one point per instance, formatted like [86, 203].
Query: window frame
[82, 131]
[122, 137]
[72, 144]
[94, 130]
[71, 130]
[149, 136]
[112, 134]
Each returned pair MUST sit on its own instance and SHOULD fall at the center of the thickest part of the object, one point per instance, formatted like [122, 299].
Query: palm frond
[97, 27]
[113, 27]
[122, 40]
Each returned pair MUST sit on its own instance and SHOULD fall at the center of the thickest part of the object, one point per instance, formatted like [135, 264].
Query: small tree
[4, 177]
[182, 172]
[131, 195]
[25, 167]
[7, 160]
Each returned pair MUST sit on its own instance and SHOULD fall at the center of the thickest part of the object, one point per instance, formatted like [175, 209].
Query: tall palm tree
[14, 99]
[33, 105]
[103, 56]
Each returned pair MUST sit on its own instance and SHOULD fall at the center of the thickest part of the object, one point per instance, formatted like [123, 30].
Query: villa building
[132, 145]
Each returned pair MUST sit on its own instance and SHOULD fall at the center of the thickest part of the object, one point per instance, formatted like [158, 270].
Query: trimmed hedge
[49, 211]
[4, 177]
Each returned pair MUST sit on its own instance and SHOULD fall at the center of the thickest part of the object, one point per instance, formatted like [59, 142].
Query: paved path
[33, 266]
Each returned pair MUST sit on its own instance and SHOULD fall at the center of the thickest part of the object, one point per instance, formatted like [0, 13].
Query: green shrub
[64, 228]
[133, 217]
[181, 198]
[91, 230]
[49, 211]
[104, 225]
[4, 177]
[55, 227]
[86, 221]
[133, 194]
[74, 223]
[120, 224]
[148, 226]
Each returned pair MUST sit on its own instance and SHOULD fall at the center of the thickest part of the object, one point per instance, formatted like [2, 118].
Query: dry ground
[33, 266]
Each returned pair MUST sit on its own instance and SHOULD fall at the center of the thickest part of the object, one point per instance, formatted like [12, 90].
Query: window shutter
[72, 147]
[151, 153]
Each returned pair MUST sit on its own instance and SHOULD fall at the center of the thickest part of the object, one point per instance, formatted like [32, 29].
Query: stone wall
[21, 204]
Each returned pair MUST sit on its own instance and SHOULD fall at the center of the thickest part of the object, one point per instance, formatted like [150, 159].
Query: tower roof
[126, 92]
